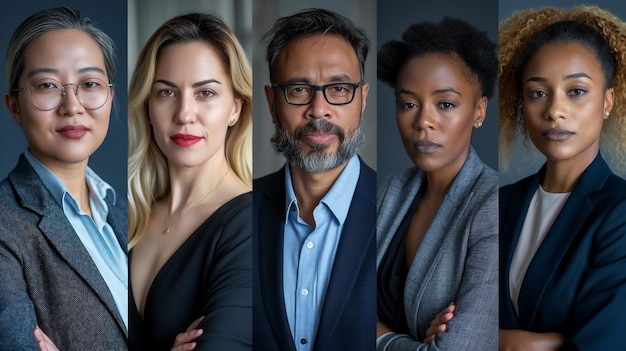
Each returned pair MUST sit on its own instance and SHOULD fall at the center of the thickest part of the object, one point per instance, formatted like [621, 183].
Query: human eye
[92, 84]
[536, 94]
[407, 105]
[446, 105]
[205, 94]
[577, 92]
[46, 85]
[166, 93]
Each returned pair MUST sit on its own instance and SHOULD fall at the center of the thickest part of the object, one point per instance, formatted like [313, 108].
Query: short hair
[311, 21]
[525, 32]
[148, 178]
[450, 36]
[49, 20]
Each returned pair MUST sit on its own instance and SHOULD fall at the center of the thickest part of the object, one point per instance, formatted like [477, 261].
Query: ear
[236, 112]
[364, 90]
[480, 112]
[10, 101]
[609, 99]
[271, 102]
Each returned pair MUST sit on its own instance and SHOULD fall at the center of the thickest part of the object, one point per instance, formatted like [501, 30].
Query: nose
[186, 110]
[70, 105]
[319, 107]
[556, 109]
[424, 119]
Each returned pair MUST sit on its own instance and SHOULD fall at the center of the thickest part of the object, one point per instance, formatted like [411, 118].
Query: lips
[557, 134]
[73, 132]
[319, 137]
[185, 140]
[426, 146]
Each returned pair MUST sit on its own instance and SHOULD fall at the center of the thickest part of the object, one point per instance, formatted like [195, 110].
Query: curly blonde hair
[516, 34]
[148, 177]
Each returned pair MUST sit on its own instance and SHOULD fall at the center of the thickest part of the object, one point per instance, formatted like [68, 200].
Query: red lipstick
[73, 132]
[185, 140]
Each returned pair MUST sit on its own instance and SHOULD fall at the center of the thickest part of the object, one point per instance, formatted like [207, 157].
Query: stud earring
[480, 124]
[607, 113]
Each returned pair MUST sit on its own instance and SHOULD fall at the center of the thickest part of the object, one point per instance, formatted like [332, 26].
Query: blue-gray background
[518, 166]
[110, 160]
[266, 12]
[393, 18]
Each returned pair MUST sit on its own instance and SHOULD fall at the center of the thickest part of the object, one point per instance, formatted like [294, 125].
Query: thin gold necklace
[169, 227]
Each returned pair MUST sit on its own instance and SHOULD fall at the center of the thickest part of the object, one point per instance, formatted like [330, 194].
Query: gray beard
[318, 160]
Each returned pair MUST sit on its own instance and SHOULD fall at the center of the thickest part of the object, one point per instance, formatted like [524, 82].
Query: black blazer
[348, 318]
[576, 282]
[47, 276]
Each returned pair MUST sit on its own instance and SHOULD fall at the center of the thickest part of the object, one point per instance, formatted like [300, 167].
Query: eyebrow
[195, 85]
[438, 91]
[339, 78]
[567, 77]
[56, 71]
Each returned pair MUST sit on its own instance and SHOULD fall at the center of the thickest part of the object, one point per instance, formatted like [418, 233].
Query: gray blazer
[46, 275]
[457, 260]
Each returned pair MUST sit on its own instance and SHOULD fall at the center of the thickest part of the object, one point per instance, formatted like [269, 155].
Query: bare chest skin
[422, 218]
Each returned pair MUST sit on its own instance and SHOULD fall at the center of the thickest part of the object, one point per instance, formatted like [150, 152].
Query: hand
[514, 340]
[44, 342]
[381, 328]
[439, 323]
[184, 341]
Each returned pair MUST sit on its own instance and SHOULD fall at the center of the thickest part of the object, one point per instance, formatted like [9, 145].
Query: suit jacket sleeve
[227, 324]
[475, 325]
[17, 314]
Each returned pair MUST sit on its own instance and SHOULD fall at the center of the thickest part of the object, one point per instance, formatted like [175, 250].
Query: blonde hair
[515, 36]
[148, 177]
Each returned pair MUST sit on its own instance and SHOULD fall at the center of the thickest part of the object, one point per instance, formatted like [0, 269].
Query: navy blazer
[576, 282]
[47, 276]
[348, 318]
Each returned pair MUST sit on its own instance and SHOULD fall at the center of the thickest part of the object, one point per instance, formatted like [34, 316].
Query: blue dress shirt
[309, 253]
[94, 232]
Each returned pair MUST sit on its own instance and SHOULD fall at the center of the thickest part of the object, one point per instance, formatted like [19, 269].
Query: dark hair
[450, 36]
[577, 32]
[312, 21]
[46, 21]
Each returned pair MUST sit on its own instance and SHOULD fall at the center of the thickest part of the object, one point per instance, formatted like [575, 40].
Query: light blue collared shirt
[95, 233]
[309, 253]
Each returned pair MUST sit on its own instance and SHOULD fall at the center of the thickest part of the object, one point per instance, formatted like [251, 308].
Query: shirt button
[304, 292]
[309, 245]
[303, 341]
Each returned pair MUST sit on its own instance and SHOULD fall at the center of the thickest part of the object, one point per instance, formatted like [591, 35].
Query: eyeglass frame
[63, 93]
[317, 88]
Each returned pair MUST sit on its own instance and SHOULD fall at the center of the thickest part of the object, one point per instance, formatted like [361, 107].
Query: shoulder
[269, 180]
[237, 214]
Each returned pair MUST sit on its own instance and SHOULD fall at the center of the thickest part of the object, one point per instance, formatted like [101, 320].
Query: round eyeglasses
[47, 94]
[335, 94]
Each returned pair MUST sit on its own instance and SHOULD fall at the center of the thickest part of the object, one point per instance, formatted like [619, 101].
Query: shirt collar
[336, 198]
[96, 185]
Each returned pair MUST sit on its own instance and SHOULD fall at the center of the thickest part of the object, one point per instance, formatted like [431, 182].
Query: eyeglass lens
[302, 94]
[48, 94]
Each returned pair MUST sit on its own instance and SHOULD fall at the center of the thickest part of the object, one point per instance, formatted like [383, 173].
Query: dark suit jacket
[46, 275]
[348, 318]
[576, 282]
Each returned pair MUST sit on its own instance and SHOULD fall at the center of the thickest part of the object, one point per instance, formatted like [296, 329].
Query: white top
[543, 210]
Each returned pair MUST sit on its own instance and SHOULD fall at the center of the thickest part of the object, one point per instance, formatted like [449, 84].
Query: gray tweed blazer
[46, 275]
[457, 260]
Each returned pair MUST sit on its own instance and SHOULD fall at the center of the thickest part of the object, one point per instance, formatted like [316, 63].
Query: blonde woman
[189, 188]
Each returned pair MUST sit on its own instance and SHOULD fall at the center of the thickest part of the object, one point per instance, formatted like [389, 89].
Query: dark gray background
[110, 160]
[393, 18]
[518, 166]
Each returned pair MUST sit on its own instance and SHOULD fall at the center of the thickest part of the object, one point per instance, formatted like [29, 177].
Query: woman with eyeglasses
[437, 221]
[63, 261]
[190, 209]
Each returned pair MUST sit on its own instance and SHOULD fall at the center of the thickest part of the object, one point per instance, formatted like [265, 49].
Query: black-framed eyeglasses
[47, 94]
[335, 94]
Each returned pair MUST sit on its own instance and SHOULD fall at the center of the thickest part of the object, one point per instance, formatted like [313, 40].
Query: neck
[439, 181]
[191, 185]
[310, 188]
[562, 175]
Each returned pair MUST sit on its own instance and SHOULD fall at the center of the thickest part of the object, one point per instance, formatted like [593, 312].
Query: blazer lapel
[559, 238]
[271, 231]
[358, 233]
[60, 233]
[512, 216]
